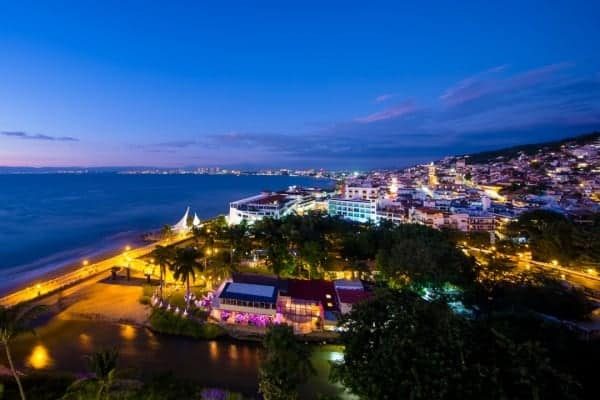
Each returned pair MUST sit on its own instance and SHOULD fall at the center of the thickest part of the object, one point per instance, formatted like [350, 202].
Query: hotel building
[275, 205]
[357, 210]
[306, 305]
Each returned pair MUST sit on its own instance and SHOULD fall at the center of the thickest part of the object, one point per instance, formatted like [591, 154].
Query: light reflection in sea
[128, 332]
[86, 341]
[233, 352]
[39, 357]
[213, 350]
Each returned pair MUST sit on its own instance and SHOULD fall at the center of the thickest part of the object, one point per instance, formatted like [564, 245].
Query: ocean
[52, 220]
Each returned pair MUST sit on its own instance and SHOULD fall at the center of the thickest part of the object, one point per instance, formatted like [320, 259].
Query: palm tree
[185, 265]
[163, 257]
[236, 237]
[166, 232]
[15, 321]
[104, 364]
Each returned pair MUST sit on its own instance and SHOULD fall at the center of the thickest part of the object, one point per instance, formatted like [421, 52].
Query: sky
[290, 83]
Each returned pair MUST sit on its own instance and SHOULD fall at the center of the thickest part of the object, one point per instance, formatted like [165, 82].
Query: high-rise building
[433, 180]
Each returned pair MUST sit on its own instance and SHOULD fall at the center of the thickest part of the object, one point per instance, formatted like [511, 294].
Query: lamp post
[208, 253]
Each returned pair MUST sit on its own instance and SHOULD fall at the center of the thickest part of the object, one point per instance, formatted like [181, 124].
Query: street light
[554, 262]
[208, 252]
[85, 263]
[127, 248]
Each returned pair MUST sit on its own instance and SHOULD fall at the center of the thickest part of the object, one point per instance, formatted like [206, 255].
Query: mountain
[530, 149]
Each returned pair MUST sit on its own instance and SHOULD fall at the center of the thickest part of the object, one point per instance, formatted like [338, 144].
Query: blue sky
[341, 84]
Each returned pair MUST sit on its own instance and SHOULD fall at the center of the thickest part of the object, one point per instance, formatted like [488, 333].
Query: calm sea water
[51, 220]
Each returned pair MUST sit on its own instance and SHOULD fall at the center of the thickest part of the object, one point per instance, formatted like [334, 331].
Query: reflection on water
[86, 341]
[153, 342]
[233, 354]
[214, 350]
[128, 332]
[62, 345]
[39, 358]
[336, 356]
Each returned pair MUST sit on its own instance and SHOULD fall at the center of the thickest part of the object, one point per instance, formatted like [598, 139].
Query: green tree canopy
[398, 345]
[286, 364]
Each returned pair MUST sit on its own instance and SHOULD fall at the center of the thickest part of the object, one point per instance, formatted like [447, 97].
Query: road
[590, 282]
[82, 274]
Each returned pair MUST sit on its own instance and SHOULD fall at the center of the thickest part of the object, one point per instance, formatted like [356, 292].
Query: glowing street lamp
[208, 253]
[554, 262]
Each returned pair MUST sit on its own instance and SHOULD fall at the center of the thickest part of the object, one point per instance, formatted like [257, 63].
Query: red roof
[352, 296]
[271, 199]
[317, 290]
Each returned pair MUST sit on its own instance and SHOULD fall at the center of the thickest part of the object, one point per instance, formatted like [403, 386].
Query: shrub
[165, 322]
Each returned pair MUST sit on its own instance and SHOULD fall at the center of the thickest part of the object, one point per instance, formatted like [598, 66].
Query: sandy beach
[70, 279]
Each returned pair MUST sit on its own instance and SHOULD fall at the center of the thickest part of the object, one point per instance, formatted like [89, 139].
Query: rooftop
[249, 292]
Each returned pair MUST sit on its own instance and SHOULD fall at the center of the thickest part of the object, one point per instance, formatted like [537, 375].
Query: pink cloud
[390, 113]
[491, 82]
[384, 97]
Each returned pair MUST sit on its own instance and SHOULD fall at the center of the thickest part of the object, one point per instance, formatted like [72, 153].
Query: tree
[185, 265]
[15, 321]
[286, 364]
[270, 234]
[549, 235]
[166, 232]
[423, 257]
[313, 256]
[163, 257]
[236, 237]
[398, 345]
[103, 364]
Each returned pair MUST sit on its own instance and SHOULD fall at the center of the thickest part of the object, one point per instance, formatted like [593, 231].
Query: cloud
[28, 136]
[492, 82]
[396, 111]
[178, 144]
[171, 146]
[493, 109]
[384, 98]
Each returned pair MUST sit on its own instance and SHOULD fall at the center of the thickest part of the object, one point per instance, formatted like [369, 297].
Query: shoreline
[21, 277]
[72, 276]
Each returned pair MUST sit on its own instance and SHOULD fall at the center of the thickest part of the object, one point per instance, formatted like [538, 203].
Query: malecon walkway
[85, 272]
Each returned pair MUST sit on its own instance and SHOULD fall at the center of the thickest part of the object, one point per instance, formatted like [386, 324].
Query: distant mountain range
[529, 149]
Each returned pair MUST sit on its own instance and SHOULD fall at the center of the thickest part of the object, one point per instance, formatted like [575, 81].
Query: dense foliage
[552, 236]
[286, 364]
[401, 346]
[422, 256]
[166, 322]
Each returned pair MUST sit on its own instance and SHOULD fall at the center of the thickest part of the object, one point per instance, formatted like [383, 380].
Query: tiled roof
[317, 290]
[352, 296]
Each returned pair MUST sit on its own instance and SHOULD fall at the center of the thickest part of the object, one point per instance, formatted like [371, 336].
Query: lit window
[329, 305]
[328, 296]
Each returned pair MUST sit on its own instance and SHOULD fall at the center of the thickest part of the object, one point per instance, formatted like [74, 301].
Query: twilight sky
[290, 83]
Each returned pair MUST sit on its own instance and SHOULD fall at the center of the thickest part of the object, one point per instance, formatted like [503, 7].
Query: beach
[72, 277]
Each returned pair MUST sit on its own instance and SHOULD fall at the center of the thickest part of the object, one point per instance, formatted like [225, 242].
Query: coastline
[72, 277]
[21, 277]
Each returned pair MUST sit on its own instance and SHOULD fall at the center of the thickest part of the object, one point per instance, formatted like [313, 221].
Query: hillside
[529, 149]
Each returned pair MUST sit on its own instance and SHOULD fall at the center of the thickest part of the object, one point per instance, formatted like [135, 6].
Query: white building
[364, 191]
[269, 204]
[294, 200]
[358, 210]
